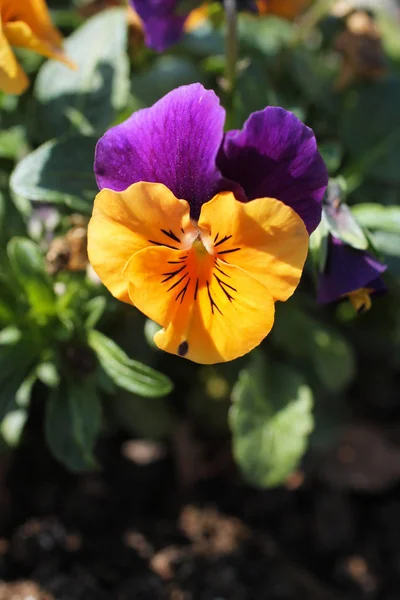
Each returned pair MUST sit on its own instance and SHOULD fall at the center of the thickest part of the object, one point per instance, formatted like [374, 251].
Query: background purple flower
[179, 142]
[162, 25]
[348, 270]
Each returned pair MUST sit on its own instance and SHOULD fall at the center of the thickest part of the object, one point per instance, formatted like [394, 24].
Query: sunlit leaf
[59, 171]
[125, 372]
[270, 419]
[100, 85]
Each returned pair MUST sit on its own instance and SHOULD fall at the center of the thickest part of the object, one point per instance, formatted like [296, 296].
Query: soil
[133, 530]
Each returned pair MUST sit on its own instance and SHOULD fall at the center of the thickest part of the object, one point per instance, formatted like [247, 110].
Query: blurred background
[127, 473]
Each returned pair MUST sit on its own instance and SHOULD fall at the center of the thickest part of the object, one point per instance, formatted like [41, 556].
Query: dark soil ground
[133, 531]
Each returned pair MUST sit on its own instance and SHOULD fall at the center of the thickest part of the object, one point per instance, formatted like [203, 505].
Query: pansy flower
[25, 24]
[165, 21]
[350, 273]
[203, 231]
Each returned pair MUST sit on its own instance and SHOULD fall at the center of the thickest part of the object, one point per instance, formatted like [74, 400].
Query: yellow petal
[125, 222]
[35, 14]
[12, 78]
[19, 34]
[196, 17]
[361, 299]
[264, 237]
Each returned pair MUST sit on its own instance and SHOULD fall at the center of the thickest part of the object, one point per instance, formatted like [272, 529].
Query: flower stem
[231, 45]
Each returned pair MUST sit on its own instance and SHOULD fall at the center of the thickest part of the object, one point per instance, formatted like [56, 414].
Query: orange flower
[287, 9]
[211, 284]
[25, 24]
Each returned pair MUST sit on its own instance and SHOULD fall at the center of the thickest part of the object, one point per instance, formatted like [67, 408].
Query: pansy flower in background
[25, 24]
[203, 231]
[350, 273]
[349, 270]
[165, 21]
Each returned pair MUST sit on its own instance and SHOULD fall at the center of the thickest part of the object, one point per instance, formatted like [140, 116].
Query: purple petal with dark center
[275, 155]
[162, 26]
[175, 142]
[348, 270]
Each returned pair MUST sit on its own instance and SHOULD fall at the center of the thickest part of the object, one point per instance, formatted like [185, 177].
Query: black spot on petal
[183, 348]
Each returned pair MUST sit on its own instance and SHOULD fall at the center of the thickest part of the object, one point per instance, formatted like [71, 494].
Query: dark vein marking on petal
[212, 302]
[222, 284]
[172, 274]
[216, 237]
[183, 348]
[171, 235]
[161, 244]
[183, 291]
[228, 251]
[178, 282]
[196, 289]
[224, 239]
[183, 231]
[220, 270]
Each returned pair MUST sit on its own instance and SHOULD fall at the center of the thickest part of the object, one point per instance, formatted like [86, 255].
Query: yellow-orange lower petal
[208, 315]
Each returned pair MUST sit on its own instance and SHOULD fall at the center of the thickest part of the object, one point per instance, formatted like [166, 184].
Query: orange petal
[12, 78]
[196, 17]
[21, 35]
[35, 14]
[286, 9]
[125, 222]
[264, 237]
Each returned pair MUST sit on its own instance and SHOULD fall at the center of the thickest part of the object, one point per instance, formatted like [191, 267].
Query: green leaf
[271, 418]
[59, 171]
[72, 423]
[11, 142]
[16, 362]
[125, 372]
[12, 426]
[375, 216]
[28, 266]
[332, 357]
[340, 220]
[10, 335]
[48, 374]
[319, 246]
[370, 129]
[268, 35]
[95, 309]
[324, 348]
[166, 74]
[98, 88]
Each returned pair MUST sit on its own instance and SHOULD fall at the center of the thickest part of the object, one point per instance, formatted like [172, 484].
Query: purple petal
[348, 270]
[175, 142]
[163, 27]
[275, 155]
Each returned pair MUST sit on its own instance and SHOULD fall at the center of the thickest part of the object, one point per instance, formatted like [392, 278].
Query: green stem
[231, 45]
